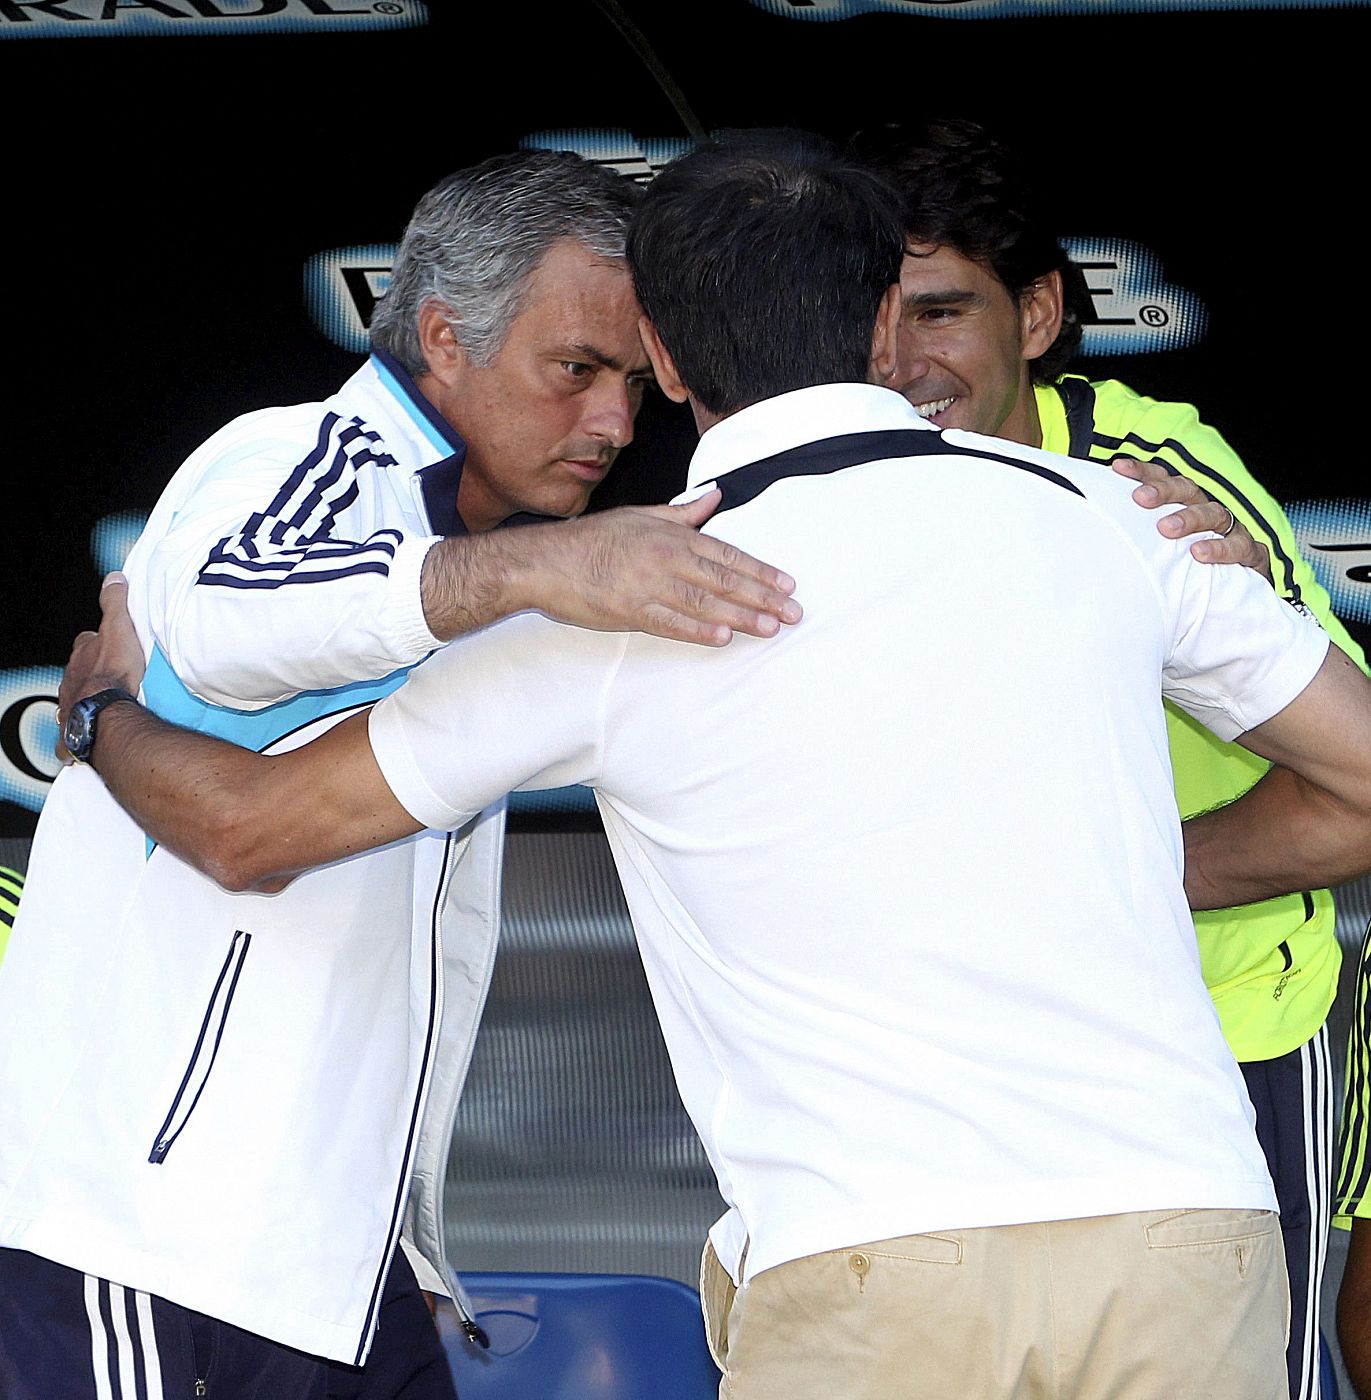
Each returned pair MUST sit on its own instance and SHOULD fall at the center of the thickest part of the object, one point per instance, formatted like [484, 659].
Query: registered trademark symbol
[388, 7]
[1148, 315]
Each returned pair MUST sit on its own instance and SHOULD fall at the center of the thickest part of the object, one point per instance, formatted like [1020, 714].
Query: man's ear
[444, 354]
[1040, 316]
[885, 335]
[663, 366]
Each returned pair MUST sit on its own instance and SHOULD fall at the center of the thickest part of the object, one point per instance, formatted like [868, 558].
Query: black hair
[966, 190]
[762, 257]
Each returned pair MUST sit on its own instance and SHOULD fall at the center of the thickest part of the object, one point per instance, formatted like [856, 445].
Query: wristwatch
[78, 734]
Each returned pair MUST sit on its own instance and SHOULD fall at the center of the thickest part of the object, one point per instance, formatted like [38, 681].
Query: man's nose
[911, 364]
[611, 412]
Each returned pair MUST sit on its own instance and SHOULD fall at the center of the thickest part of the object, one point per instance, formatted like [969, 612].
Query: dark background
[164, 194]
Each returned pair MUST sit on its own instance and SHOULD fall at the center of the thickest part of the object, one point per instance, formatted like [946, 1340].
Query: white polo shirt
[906, 879]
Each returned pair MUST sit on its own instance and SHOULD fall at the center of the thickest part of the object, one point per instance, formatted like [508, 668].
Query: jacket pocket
[202, 1057]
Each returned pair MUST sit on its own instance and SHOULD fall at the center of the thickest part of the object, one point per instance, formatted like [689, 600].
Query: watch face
[79, 732]
[76, 735]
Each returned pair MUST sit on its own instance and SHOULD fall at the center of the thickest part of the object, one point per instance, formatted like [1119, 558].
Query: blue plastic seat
[582, 1337]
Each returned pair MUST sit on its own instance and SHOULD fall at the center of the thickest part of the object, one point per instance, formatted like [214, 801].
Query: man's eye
[577, 369]
[938, 315]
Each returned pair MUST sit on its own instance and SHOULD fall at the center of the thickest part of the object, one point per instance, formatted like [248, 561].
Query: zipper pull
[475, 1333]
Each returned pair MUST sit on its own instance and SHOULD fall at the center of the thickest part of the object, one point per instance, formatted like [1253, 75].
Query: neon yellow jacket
[1272, 968]
[11, 884]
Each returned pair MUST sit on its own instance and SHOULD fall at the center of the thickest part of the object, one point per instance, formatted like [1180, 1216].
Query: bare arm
[325, 612]
[637, 569]
[247, 820]
[1307, 823]
[1354, 1309]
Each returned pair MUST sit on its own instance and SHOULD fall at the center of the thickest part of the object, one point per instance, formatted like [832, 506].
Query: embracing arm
[1354, 1308]
[250, 608]
[249, 821]
[636, 569]
[1307, 823]
[278, 561]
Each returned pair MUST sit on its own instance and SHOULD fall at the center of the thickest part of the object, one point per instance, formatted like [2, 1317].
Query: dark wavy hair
[762, 257]
[966, 190]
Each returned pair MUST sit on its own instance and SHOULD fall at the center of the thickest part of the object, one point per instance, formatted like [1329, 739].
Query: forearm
[1307, 823]
[300, 628]
[628, 570]
[471, 581]
[249, 821]
[1354, 1309]
[197, 796]
[1285, 834]
[568, 570]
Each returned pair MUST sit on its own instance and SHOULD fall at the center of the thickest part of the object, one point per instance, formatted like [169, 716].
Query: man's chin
[964, 421]
[564, 504]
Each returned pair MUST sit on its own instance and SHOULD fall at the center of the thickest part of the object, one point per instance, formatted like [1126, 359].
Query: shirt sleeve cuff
[394, 754]
[1286, 680]
[404, 620]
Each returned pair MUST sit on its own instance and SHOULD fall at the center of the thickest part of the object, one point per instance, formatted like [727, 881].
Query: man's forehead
[939, 266]
[570, 270]
[582, 304]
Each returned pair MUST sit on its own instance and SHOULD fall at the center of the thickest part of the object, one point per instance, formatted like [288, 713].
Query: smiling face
[966, 346]
[545, 419]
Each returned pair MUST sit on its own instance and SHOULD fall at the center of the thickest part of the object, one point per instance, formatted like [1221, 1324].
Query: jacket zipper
[202, 1058]
[200, 1362]
[431, 1038]
[475, 1333]
[466, 1317]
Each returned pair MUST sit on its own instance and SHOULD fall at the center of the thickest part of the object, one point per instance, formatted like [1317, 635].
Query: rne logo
[1135, 310]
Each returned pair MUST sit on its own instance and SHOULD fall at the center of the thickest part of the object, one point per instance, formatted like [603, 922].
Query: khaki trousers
[1161, 1305]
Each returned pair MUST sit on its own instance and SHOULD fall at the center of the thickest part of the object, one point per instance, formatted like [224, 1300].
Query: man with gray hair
[209, 1137]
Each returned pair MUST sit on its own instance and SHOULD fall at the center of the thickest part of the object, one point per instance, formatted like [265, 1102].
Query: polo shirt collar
[791, 420]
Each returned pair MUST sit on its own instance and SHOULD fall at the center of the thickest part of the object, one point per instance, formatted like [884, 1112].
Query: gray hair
[477, 236]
